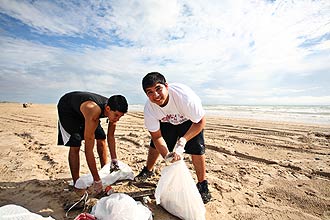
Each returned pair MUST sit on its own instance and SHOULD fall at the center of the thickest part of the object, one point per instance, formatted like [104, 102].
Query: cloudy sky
[228, 51]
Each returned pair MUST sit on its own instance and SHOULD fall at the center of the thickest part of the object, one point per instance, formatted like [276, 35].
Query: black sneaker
[204, 191]
[143, 175]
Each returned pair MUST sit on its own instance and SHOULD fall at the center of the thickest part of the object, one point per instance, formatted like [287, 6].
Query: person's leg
[196, 148]
[147, 171]
[70, 128]
[101, 145]
[74, 163]
[152, 158]
[170, 137]
[102, 151]
[199, 164]
[202, 184]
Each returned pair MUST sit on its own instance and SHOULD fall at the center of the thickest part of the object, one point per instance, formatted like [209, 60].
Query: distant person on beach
[175, 118]
[79, 119]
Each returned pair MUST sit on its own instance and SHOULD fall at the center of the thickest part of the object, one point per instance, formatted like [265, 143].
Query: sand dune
[256, 169]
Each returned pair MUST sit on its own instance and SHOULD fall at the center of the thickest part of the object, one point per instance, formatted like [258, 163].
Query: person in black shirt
[79, 119]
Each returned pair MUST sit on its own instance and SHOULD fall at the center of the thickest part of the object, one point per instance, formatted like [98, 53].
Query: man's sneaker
[143, 175]
[204, 191]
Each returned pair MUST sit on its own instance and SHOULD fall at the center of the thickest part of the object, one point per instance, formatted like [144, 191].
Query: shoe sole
[206, 198]
[142, 179]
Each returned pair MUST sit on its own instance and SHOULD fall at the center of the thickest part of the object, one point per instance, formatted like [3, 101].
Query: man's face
[158, 94]
[114, 116]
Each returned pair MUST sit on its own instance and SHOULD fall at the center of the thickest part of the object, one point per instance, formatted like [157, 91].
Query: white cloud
[41, 15]
[244, 48]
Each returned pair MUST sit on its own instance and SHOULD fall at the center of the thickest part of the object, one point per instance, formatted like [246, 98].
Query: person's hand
[114, 165]
[79, 192]
[172, 157]
[179, 146]
[97, 187]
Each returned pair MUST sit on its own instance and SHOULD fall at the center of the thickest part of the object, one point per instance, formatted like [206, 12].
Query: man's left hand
[114, 165]
[97, 187]
[172, 157]
[179, 146]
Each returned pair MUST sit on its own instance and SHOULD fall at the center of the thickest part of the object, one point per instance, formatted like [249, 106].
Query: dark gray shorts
[171, 133]
[71, 132]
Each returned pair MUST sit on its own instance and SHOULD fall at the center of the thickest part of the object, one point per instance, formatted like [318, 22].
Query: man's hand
[171, 157]
[97, 187]
[79, 192]
[179, 146]
[114, 165]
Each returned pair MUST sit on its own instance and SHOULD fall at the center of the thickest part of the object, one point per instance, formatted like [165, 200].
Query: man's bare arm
[195, 129]
[91, 112]
[111, 140]
[159, 143]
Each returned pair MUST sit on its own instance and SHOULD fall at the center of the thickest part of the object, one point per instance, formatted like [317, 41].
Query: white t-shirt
[183, 105]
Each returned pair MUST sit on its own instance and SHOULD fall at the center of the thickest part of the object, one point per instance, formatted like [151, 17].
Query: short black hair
[151, 79]
[118, 103]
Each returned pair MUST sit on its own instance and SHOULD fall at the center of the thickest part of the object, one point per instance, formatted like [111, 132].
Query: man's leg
[152, 158]
[199, 164]
[74, 163]
[102, 151]
[147, 170]
[202, 185]
[169, 134]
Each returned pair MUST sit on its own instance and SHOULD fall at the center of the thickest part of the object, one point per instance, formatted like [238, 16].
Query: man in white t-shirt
[175, 119]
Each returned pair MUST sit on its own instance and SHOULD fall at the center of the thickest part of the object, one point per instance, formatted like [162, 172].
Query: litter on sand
[16, 212]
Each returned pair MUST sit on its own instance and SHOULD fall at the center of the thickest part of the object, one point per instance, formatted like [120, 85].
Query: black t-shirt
[71, 102]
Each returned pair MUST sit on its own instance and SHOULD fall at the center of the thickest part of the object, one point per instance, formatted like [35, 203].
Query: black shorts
[72, 129]
[171, 133]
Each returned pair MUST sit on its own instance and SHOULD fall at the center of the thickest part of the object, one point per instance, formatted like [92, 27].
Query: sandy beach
[256, 169]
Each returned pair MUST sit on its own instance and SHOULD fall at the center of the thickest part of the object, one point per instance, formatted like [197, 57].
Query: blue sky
[228, 51]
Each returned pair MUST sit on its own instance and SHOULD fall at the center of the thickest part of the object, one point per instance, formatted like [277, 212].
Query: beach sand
[255, 169]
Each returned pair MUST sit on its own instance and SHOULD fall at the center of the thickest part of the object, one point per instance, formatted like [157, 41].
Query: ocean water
[313, 114]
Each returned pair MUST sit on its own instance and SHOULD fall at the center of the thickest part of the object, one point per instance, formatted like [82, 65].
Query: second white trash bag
[107, 178]
[119, 206]
[177, 192]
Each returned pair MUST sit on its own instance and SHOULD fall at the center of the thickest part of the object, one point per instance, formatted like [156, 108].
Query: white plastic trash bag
[107, 178]
[177, 192]
[15, 212]
[120, 206]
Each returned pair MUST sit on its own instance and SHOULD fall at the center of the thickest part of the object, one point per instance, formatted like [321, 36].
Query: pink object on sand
[85, 216]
